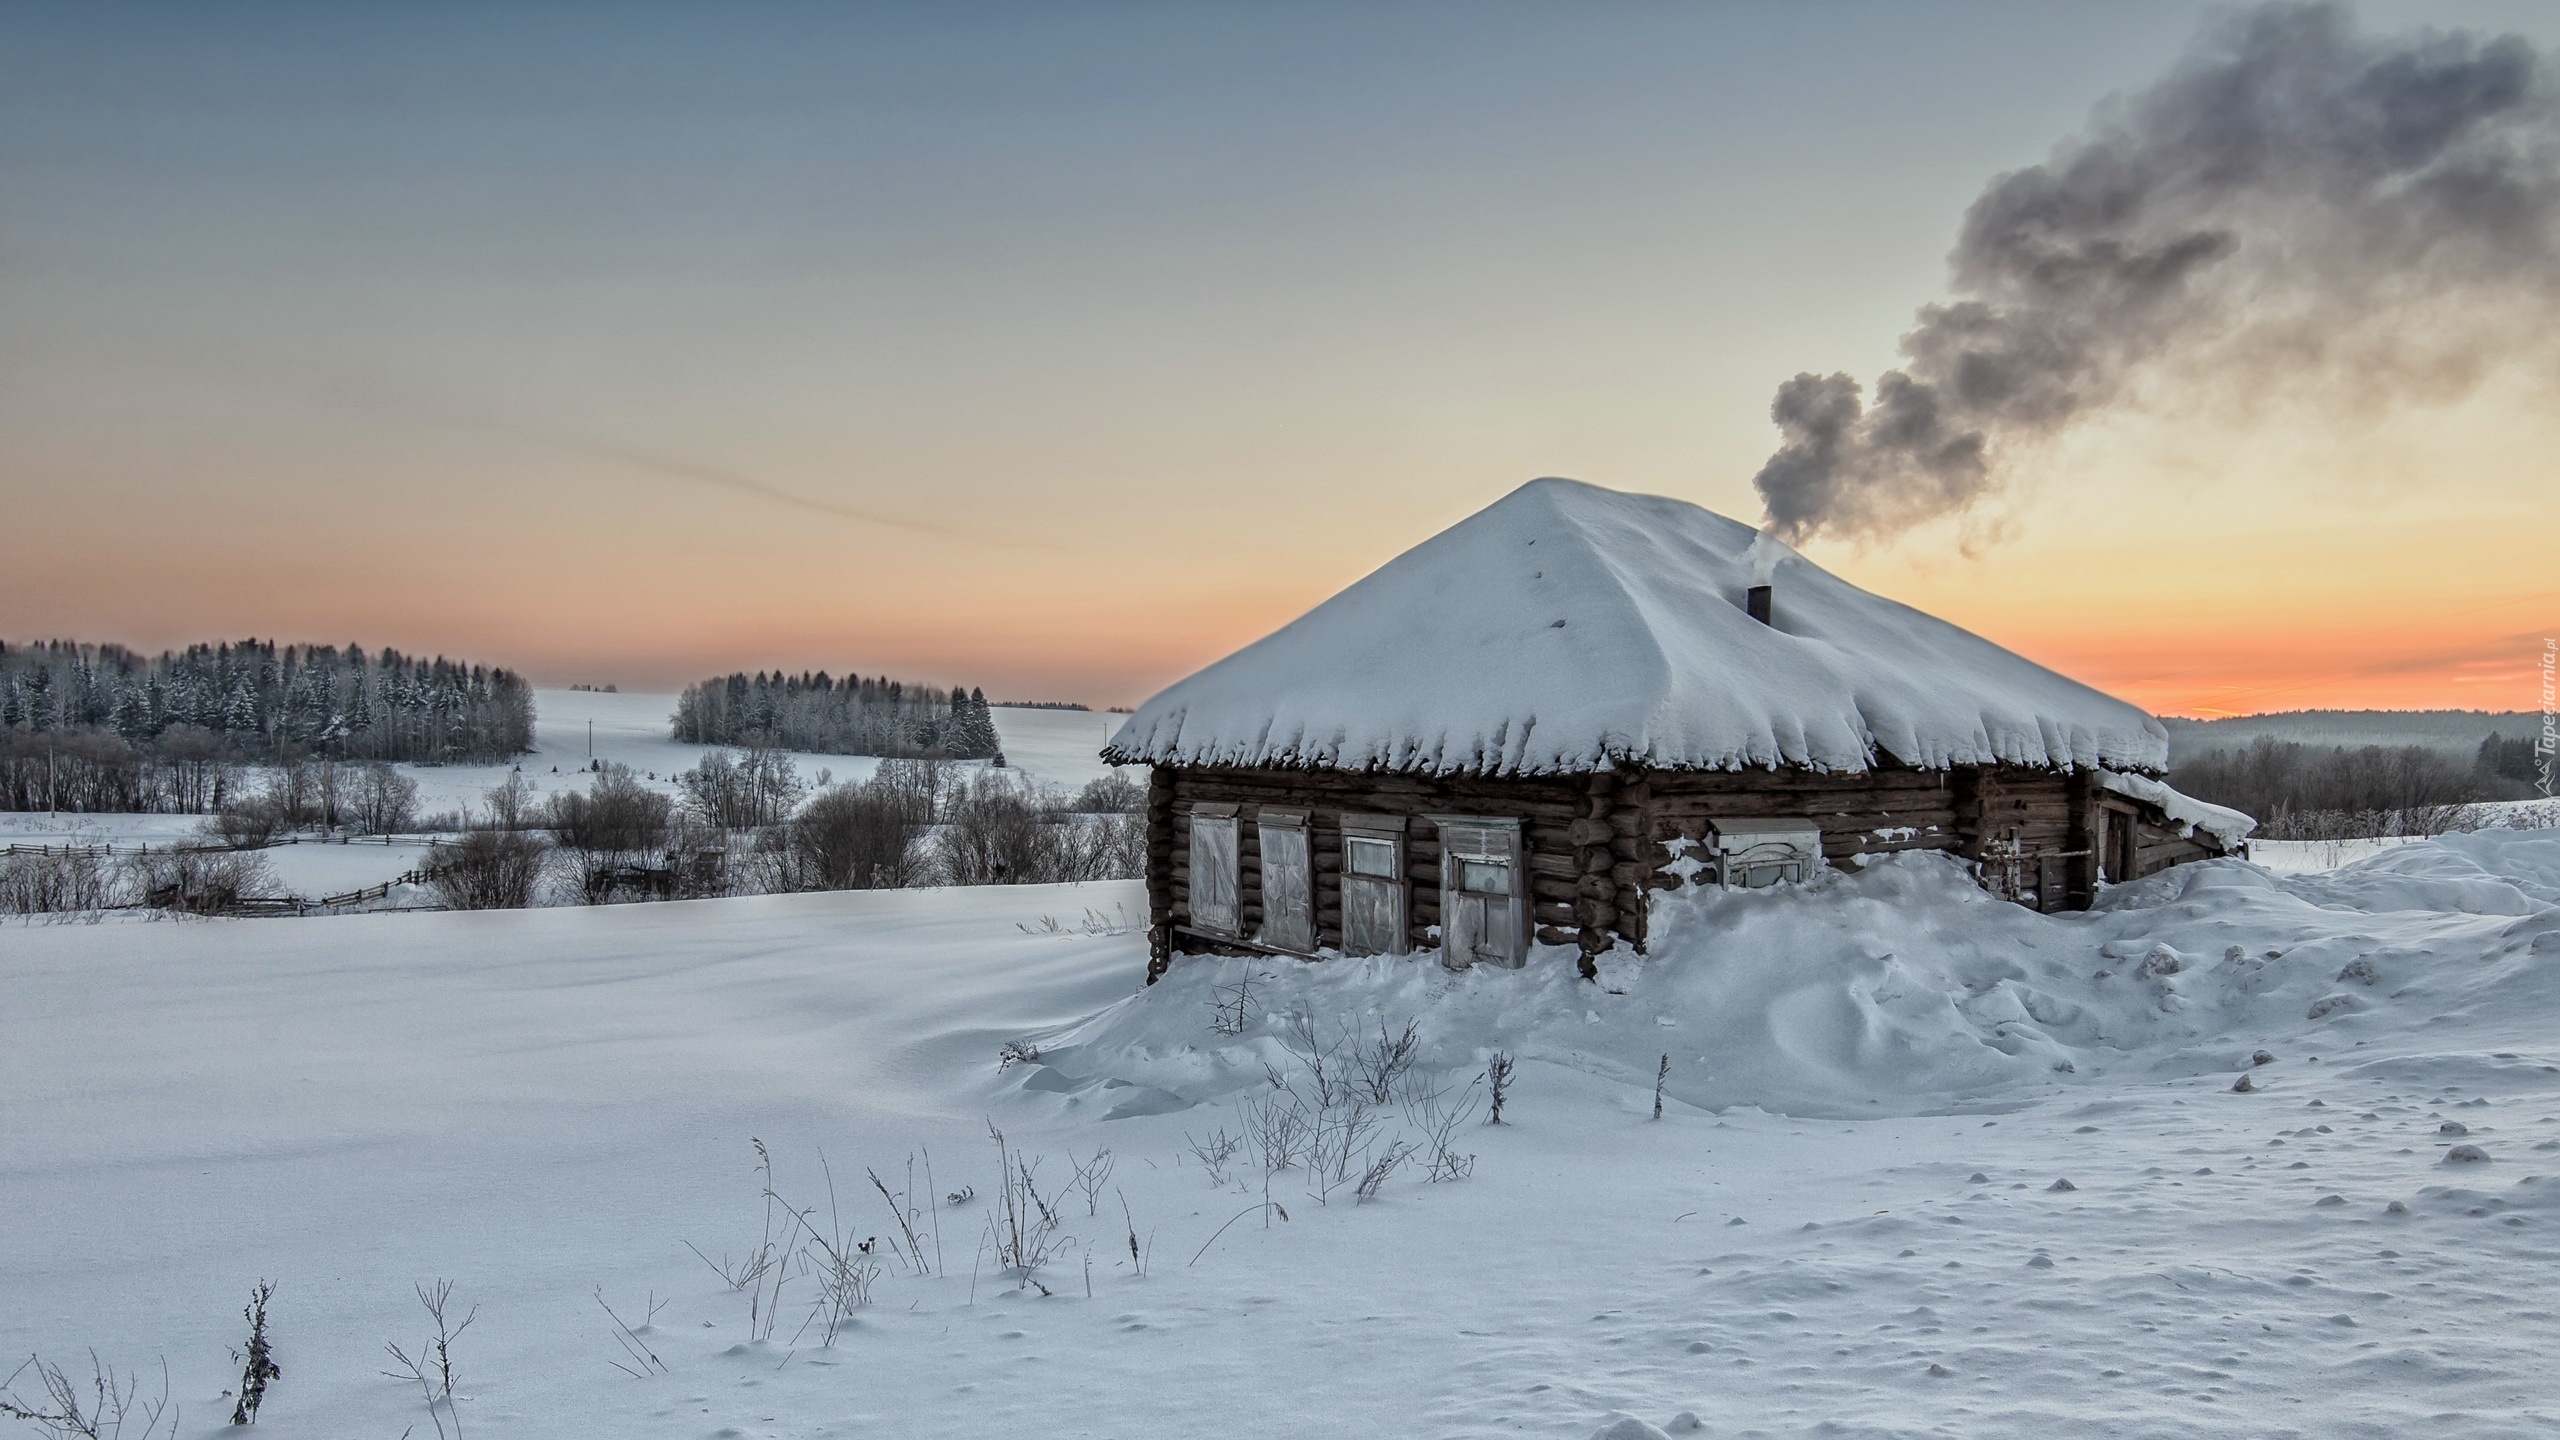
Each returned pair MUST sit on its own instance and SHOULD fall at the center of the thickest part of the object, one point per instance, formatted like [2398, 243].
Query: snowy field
[1929, 1165]
[1053, 747]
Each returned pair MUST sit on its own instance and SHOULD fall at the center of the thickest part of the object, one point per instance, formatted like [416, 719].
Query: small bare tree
[431, 1369]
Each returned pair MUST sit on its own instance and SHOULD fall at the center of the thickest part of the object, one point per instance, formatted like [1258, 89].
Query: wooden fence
[169, 897]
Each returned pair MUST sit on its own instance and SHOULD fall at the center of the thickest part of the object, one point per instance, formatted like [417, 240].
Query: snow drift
[1566, 625]
[1902, 988]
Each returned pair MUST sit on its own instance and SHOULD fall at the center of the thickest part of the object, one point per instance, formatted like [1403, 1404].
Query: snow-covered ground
[1852, 1219]
[2296, 857]
[1053, 747]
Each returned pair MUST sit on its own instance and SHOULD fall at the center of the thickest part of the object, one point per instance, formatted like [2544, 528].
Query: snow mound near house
[1567, 624]
[1902, 988]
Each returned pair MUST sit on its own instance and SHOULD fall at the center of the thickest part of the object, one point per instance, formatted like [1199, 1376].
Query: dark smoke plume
[2295, 205]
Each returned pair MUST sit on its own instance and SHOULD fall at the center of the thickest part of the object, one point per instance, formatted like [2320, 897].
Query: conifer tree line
[145, 733]
[852, 716]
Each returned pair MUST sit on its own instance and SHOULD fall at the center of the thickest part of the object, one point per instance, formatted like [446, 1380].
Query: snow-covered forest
[852, 716]
[99, 728]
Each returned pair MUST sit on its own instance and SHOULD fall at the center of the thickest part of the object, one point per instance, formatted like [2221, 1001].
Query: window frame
[1204, 821]
[1504, 932]
[1391, 893]
[1289, 826]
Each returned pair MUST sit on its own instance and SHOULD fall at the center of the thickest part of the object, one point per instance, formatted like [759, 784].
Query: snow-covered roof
[1565, 625]
[2189, 814]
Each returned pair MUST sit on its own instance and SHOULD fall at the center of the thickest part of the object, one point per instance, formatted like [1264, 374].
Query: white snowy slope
[1566, 623]
[1850, 1220]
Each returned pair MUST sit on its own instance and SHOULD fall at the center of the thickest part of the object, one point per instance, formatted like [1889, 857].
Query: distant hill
[2454, 731]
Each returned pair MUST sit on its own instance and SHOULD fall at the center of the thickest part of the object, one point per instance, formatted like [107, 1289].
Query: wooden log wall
[2158, 845]
[1882, 810]
[1594, 846]
[1582, 844]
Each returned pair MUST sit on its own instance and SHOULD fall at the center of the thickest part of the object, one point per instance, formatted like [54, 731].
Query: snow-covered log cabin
[1519, 729]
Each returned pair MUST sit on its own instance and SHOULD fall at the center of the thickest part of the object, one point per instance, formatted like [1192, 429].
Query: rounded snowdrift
[1899, 988]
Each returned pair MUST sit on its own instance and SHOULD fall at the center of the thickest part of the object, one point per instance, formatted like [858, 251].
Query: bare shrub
[1340, 1140]
[1373, 1175]
[1089, 1178]
[431, 1369]
[919, 783]
[1024, 1225]
[843, 1267]
[1112, 794]
[1215, 1153]
[615, 837]
[1383, 1062]
[203, 882]
[1105, 847]
[616, 816]
[993, 834]
[1497, 1080]
[61, 884]
[1277, 1125]
[489, 870]
[510, 804]
[1118, 922]
[998, 831]
[855, 837]
[246, 822]
[99, 1410]
[742, 789]
[257, 1358]
[1233, 1007]
[381, 800]
[1435, 1120]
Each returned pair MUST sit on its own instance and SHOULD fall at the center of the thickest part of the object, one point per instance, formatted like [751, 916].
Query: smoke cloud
[2295, 206]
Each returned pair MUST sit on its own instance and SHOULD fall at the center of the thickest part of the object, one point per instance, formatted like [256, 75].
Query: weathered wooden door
[1213, 872]
[1288, 882]
[1483, 893]
[1373, 894]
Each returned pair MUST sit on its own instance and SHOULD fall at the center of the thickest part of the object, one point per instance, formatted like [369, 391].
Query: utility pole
[591, 742]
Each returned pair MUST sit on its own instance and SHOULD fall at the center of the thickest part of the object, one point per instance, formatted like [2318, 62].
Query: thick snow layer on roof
[1565, 625]
[2188, 813]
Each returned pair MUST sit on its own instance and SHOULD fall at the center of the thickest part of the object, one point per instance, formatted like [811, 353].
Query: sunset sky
[1061, 349]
